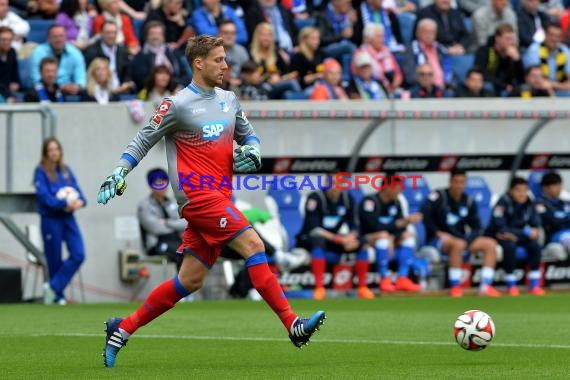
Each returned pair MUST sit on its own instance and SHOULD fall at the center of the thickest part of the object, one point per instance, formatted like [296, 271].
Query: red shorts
[212, 222]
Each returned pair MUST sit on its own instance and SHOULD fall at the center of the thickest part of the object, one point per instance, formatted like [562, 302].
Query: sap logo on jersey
[213, 130]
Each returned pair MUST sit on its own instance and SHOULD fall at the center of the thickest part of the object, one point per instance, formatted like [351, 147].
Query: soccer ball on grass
[474, 330]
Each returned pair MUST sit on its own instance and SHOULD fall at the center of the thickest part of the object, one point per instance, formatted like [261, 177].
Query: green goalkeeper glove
[114, 184]
[247, 159]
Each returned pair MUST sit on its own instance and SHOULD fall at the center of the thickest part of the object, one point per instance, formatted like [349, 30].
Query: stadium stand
[39, 30]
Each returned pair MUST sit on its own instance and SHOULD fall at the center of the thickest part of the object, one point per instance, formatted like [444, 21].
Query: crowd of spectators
[108, 50]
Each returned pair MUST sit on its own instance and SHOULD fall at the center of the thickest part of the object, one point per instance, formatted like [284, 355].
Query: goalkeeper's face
[214, 67]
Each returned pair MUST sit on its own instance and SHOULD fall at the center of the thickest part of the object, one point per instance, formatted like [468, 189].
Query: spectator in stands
[58, 223]
[451, 31]
[531, 23]
[252, 86]
[156, 52]
[263, 52]
[173, 16]
[71, 75]
[553, 211]
[468, 7]
[206, 19]
[385, 68]
[161, 226]
[383, 226]
[425, 86]
[77, 22]
[125, 32]
[335, 24]
[515, 223]
[117, 55]
[363, 85]
[44, 9]
[325, 213]
[488, 18]
[473, 86]
[158, 85]
[500, 61]
[330, 87]
[553, 8]
[372, 12]
[46, 90]
[307, 62]
[236, 54]
[99, 83]
[453, 226]
[9, 73]
[553, 57]
[281, 21]
[425, 49]
[19, 26]
[138, 9]
[536, 85]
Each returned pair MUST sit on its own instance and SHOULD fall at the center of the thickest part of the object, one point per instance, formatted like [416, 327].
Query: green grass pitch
[385, 338]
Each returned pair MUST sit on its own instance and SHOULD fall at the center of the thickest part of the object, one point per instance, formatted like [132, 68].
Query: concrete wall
[94, 136]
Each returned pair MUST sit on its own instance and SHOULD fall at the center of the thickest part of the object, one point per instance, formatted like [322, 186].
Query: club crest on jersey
[212, 130]
[224, 106]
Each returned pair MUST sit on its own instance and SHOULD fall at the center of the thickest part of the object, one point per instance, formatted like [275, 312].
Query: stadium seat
[479, 190]
[415, 195]
[24, 70]
[124, 97]
[287, 203]
[461, 65]
[534, 182]
[38, 30]
[406, 21]
[295, 95]
[301, 23]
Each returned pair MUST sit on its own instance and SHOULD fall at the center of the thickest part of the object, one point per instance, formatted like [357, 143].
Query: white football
[474, 330]
[68, 193]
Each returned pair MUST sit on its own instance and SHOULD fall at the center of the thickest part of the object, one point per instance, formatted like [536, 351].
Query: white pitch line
[343, 341]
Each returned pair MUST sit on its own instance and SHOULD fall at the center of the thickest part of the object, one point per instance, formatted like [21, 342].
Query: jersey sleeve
[351, 214]
[162, 122]
[244, 133]
[428, 210]
[473, 220]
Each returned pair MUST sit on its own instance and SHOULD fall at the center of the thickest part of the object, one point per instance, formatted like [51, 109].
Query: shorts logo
[213, 130]
[223, 222]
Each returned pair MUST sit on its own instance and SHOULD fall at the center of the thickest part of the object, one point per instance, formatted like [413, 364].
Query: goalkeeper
[200, 124]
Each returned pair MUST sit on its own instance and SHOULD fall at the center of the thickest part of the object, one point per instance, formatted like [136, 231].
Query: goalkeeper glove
[247, 159]
[114, 184]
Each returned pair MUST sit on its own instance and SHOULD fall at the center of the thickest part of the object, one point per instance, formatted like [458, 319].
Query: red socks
[319, 267]
[267, 285]
[361, 269]
[160, 300]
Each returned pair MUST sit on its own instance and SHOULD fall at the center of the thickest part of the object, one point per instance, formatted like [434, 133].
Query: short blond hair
[200, 46]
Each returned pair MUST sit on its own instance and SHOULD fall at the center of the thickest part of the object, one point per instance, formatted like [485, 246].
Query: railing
[48, 124]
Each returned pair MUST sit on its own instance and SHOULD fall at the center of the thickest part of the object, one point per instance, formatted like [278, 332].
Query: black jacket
[456, 33]
[121, 58]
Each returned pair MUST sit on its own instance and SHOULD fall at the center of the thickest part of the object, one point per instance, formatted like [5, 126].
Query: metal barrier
[48, 124]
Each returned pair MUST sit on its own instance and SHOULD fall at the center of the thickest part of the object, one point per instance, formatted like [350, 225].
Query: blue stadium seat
[39, 30]
[461, 65]
[72, 98]
[534, 182]
[406, 21]
[300, 24]
[479, 190]
[295, 95]
[288, 206]
[24, 70]
[357, 194]
[125, 97]
[416, 196]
